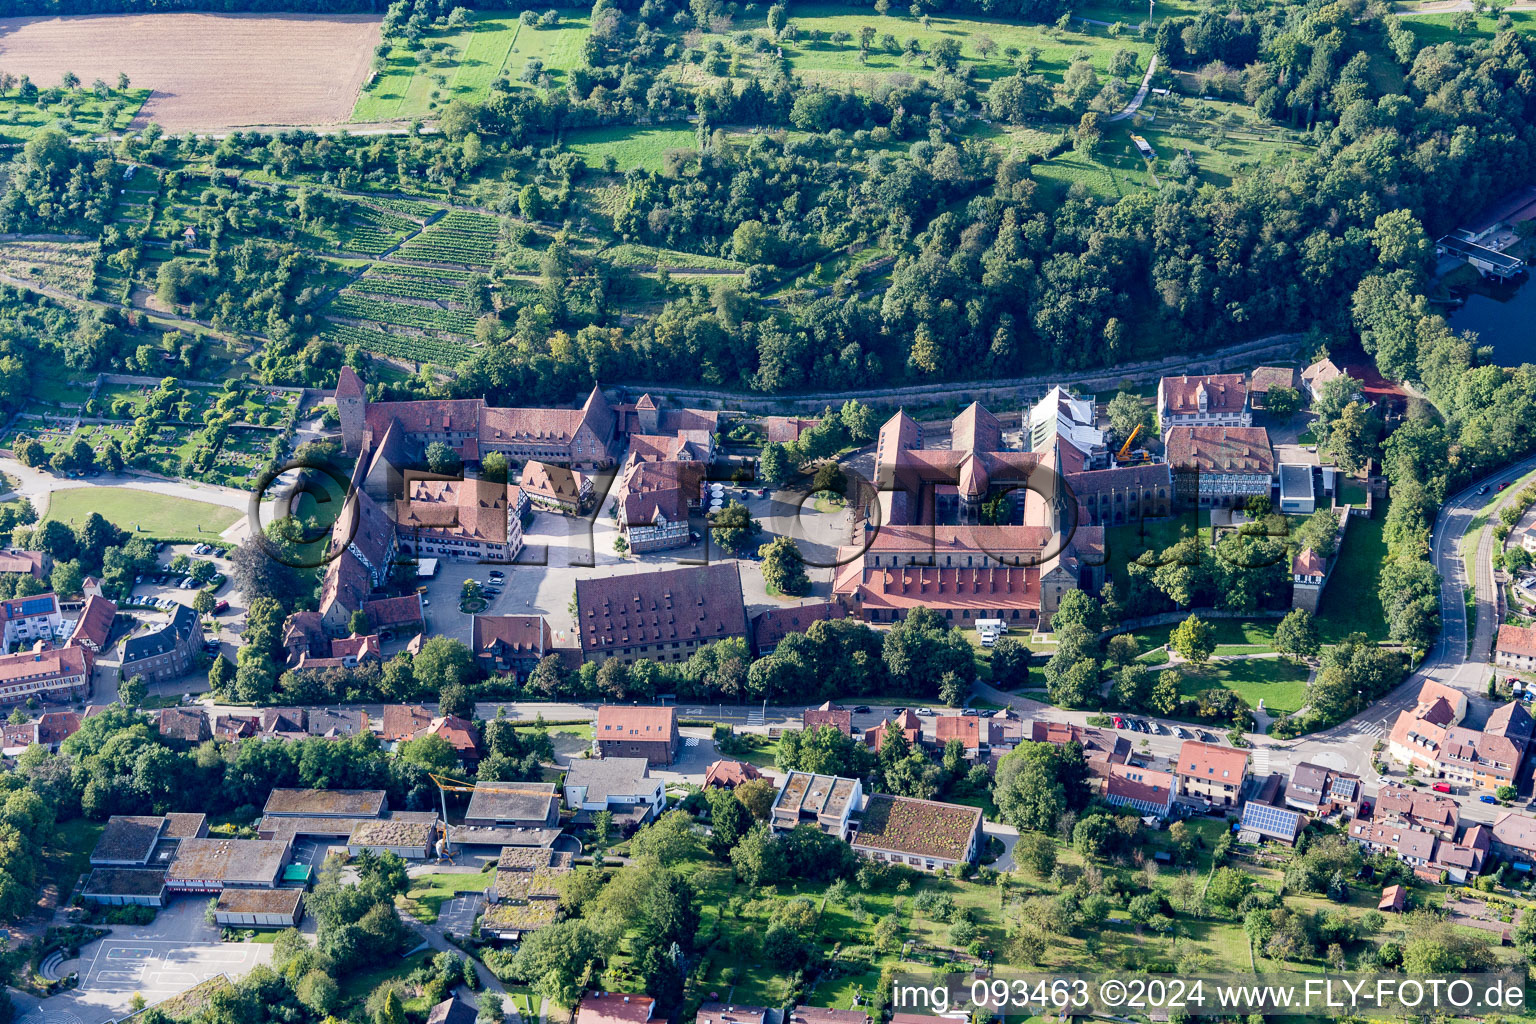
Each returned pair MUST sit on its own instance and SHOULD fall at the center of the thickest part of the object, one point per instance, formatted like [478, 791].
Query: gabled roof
[625, 722]
[95, 625]
[1236, 450]
[1224, 393]
[1519, 640]
[1211, 762]
[696, 603]
[404, 721]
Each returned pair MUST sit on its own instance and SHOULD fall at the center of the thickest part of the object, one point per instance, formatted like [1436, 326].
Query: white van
[991, 626]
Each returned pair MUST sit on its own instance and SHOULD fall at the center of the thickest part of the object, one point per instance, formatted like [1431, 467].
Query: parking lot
[559, 550]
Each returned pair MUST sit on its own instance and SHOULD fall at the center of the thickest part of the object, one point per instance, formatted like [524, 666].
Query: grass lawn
[154, 515]
[1124, 544]
[1350, 602]
[1280, 683]
[428, 893]
[1242, 636]
[79, 113]
[69, 856]
[1434, 29]
[839, 63]
[640, 147]
[468, 61]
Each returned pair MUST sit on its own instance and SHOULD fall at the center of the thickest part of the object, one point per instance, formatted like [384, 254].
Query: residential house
[840, 718]
[628, 731]
[1102, 748]
[729, 774]
[1407, 807]
[620, 785]
[1265, 379]
[461, 735]
[1516, 648]
[773, 625]
[1514, 838]
[170, 650]
[184, 725]
[827, 801]
[555, 488]
[1321, 791]
[512, 644]
[402, 722]
[1145, 790]
[910, 726]
[1210, 773]
[614, 1008]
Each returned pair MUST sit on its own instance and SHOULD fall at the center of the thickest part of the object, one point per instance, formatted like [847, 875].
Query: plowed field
[208, 71]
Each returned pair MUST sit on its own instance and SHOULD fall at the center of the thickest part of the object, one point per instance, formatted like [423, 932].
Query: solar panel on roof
[37, 606]
[1270, 820]
[1344, 788]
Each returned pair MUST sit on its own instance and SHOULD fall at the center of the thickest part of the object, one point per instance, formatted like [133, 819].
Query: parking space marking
[128, 952]
[217, 956]
[174, 979]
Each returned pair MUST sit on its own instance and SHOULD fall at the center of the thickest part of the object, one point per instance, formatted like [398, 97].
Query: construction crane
[446, 785]
[1126, 448]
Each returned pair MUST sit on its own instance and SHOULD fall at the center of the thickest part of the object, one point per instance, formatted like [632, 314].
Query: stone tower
[352, 408]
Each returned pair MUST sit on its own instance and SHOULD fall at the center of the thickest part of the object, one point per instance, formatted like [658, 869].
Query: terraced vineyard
[372, 232]
[408, 282]
[414, 348]
[65, 265]
[460, 237]
[402, 314]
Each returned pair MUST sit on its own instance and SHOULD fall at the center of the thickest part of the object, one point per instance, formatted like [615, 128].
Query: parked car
[1205, 737]
[1119, 722]
[1487, 799]
[497, 574]
[1483, 489]
[861, 709]
[221, 608]
[924, 711]
[1441, 787]
[1503, 485]
[1178, 731]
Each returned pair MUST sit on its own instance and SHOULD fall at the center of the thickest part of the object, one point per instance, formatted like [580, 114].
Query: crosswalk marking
[1368, 730]
[755, 717]
[1260, 761]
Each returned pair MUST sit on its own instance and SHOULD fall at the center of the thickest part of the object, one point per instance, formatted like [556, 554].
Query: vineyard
[402, 314]
[423, 283]
[396, 346]
[628, 254]
[371, 231]
[460, 237]
[68, 266]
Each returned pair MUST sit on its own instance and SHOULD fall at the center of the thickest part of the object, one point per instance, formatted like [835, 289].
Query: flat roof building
[211, 865]
[326, 803]
[516, 804]
[259, 908]
[923, 834]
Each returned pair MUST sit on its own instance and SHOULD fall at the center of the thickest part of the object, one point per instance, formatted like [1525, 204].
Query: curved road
[1457, 659]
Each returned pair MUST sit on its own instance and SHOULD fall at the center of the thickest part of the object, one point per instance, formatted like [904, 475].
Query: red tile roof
[614, 1008]
[965, 728]
[725, 772]
[460, 733]
[1225, 393]
[1227, 450]
[1209, 761]
[55, 727]
[511, 634]
[403, 721]
[95, 625]
[828, 714]
[556, 483]
[394, 611]
[697, 603]
[1307, 563]
[981, 589]
[627, 722]
[1519, 640]
[773, 625]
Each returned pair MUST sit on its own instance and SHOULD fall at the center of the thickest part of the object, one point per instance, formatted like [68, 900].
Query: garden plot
[460, 238]
[68, 266]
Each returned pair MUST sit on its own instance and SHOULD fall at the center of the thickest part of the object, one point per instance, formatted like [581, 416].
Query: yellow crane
[1126, 448]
